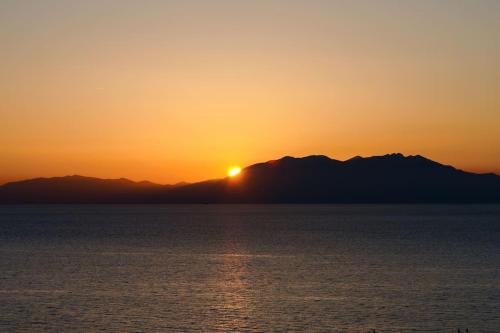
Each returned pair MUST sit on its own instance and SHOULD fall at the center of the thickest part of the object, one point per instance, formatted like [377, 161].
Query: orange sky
[181, 90]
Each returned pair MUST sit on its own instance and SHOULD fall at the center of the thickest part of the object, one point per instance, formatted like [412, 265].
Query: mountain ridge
[390, 178]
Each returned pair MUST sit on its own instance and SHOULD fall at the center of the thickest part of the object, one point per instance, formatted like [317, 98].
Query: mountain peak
[395, 155]
[308, 157]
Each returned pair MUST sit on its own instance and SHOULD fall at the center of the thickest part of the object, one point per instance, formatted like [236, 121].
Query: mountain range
[392, 178]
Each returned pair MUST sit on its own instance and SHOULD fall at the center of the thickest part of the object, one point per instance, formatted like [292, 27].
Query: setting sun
[233, 171]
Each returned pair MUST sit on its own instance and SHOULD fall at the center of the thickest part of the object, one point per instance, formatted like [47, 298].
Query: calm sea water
[249, 268]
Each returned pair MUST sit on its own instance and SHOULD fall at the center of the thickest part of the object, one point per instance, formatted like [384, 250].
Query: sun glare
[233, 171]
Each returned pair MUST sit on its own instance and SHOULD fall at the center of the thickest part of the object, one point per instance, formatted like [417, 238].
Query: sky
[175, 91]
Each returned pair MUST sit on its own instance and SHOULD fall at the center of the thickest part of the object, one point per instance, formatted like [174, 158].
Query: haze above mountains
[392, 178]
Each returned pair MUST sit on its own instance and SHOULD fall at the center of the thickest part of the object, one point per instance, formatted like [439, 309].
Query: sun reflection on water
[232, 284]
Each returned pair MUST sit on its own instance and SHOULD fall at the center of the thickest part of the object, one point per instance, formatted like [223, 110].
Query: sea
[250, 268]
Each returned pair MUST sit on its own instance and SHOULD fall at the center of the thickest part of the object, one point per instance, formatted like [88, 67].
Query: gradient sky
[181, 90]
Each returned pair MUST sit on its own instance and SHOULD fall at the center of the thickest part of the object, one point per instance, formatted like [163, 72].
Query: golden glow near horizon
[152, 90]
[234, 171]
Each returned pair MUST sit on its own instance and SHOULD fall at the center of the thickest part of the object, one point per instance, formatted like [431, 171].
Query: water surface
[249, 268]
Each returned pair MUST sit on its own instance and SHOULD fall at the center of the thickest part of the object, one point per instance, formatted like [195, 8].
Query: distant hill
[392, 178]
[75, 189]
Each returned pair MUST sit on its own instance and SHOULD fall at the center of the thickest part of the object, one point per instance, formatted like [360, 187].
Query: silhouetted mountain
[390, 178]
[74, 189]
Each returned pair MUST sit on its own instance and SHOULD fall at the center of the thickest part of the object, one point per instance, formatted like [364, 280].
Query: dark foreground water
[250, 268]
